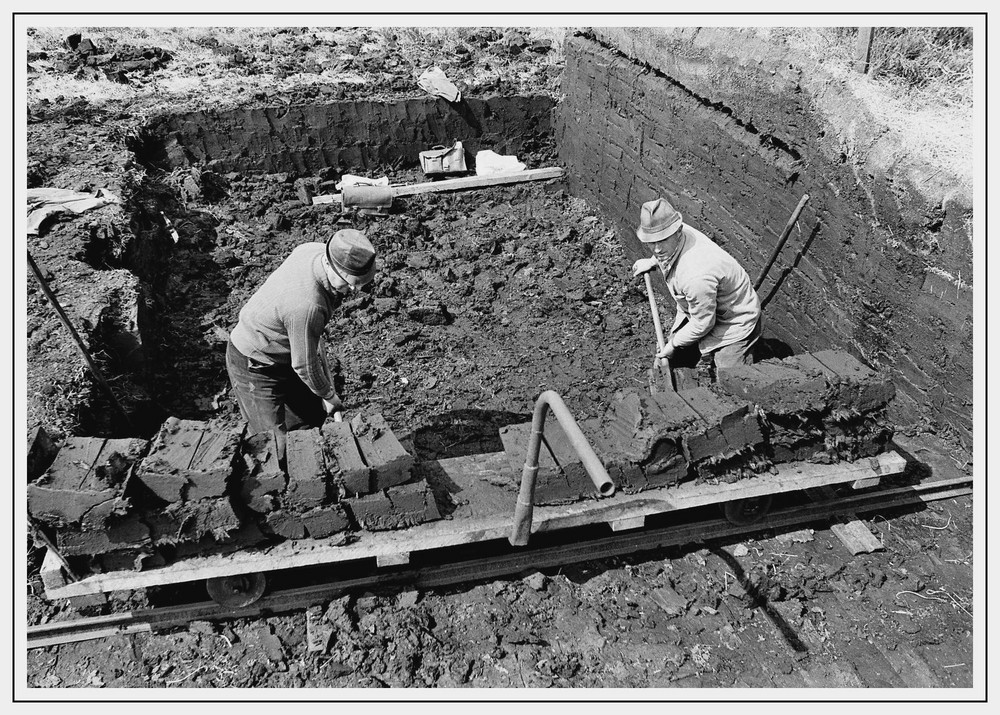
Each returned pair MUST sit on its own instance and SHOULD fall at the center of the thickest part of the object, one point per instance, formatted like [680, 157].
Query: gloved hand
[334, 404]
[667, 352]
[643, 265]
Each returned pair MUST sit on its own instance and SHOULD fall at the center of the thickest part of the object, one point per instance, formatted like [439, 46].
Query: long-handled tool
[781, 241]
[660, 375]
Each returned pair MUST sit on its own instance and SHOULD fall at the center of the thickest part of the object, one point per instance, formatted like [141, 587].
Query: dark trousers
[272, 397]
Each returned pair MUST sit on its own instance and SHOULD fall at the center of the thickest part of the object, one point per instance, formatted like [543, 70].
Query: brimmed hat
[352, 254]
[658, 220]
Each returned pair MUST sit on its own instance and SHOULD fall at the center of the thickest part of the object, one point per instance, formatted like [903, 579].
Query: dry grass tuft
[925, 58]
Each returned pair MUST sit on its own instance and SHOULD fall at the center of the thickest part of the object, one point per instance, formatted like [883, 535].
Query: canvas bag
[443, 160]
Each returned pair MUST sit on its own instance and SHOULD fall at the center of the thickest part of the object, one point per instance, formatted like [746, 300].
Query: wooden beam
[465, 472]
[466, 182]
[863, 49]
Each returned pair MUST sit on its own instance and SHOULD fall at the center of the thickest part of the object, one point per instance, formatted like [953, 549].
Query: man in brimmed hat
[276, 362]
[718, 316]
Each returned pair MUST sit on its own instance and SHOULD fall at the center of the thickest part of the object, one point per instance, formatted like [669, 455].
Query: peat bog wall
[734, 130]
[305, 139]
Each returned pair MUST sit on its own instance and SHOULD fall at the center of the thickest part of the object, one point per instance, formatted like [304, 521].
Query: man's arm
[702, 297]
[304, 332]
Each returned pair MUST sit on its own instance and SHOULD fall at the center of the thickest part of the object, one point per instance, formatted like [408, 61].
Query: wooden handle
[655, 311]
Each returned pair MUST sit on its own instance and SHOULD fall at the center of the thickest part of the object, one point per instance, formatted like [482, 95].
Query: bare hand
[334, 404]
[643, 265]
[667, 352]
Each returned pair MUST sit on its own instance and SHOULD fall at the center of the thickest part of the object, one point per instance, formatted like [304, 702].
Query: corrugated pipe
[550, 400]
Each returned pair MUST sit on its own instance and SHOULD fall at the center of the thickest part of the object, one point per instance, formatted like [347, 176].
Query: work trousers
[272, 397]
[739, 353]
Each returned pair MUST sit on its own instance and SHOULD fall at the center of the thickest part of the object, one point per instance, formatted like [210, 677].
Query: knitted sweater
[712, 291]
[283, 321]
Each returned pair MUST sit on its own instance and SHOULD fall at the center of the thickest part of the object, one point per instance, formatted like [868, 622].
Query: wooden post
[98, 377]
[863, 49]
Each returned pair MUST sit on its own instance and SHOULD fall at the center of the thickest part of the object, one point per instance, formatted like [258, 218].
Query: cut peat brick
[551, 484]
[86, 472]
[857, 387]
[264, 477]
[325, 521]
[211, 467]
[344, 460]
[306, 470]
[730, 427]
[389, 462]
[396, 508]
[193, 520]
[286, 524]
[776, 387]
[578, 482]
[129, 533]
[189, 460]
[41, 451]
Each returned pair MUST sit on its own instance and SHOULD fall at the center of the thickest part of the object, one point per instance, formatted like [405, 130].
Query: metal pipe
[550, 400]
[781, 240]
[76, 338]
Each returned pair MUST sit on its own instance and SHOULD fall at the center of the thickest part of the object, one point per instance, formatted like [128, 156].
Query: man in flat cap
[718, 318]
[275, 358]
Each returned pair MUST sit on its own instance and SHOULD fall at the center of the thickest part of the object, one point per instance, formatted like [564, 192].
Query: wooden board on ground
[464, 475]
[468, 182]
[852, 532]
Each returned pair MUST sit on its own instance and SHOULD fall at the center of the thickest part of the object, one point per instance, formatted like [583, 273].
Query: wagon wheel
[743, 512]
[236, 591]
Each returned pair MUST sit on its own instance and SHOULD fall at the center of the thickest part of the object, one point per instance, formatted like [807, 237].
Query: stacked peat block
[339, 475]
[207, 488]
[657, 440]
[391, 500]
[645, 441]
[821, 407]
[300, 502]
[82, 497]
[183, 489]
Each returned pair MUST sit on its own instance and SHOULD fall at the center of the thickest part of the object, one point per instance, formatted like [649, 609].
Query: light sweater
[712, 291]
[283, 321]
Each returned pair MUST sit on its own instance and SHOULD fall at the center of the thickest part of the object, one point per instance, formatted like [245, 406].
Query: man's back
[705, 273]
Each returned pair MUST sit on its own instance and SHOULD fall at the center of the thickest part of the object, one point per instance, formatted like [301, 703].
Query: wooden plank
[468, 182]
[465, 473]
[852, 532]
[51, 572]
[857, 537]
[632, 522]
[867, 482]
[863, 49]
[393, 559]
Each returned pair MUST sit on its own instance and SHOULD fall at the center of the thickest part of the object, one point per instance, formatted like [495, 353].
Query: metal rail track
[620, 544]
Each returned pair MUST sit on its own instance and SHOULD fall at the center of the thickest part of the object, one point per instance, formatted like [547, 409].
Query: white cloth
[352, 180]
[489, 162]
[43, 203]
[434, 81]
[713, 291]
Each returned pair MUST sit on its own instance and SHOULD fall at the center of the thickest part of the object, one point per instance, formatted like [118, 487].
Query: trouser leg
[739, 353]
[258, 395]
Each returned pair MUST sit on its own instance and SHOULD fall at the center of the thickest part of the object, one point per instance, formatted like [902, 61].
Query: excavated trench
[233, 184]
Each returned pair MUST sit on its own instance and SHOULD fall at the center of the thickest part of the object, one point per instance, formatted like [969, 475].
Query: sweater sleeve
[701, 297]
[304, 332]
